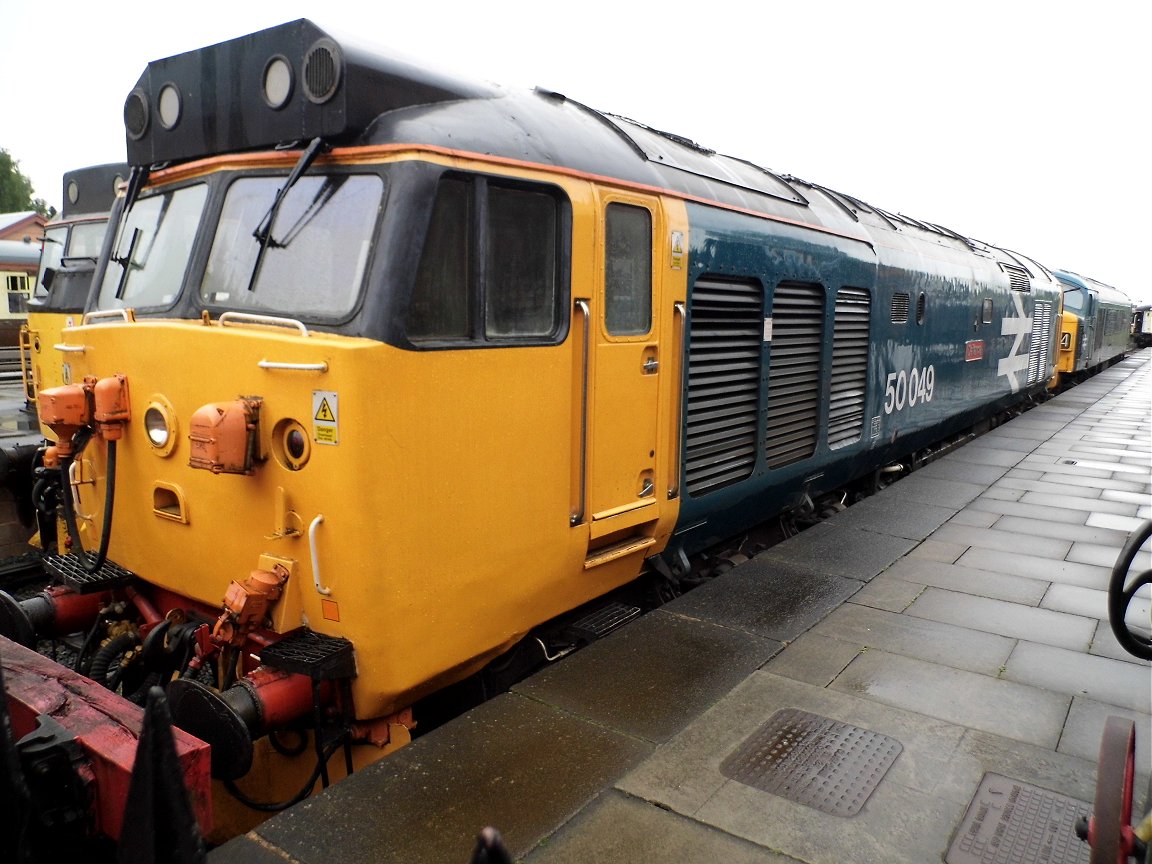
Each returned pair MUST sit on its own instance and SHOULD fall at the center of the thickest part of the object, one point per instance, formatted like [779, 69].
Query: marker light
[277, 82]
[168, 106]
[136, 114]
[290, 444]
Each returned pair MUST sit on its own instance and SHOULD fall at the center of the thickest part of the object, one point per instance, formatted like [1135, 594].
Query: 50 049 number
[907, 388]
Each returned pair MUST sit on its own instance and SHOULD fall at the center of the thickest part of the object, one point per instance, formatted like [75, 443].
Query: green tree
[16, 190]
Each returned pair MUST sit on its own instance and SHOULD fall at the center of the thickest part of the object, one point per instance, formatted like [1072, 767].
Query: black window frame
[477, 233]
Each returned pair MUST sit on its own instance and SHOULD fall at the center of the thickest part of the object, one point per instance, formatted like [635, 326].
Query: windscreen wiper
[263, 232]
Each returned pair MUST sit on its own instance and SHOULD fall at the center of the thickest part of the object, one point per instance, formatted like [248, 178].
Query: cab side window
[494, 267]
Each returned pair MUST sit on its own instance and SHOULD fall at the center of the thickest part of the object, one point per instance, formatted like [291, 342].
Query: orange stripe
[372, 154]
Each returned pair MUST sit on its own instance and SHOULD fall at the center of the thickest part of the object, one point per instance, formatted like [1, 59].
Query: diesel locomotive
[72, 245]
[1142, 326]
[387, 377]
[1095, 326]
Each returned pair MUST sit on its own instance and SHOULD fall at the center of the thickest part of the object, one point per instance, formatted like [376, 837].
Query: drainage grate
[1010, 821]
[814, 761]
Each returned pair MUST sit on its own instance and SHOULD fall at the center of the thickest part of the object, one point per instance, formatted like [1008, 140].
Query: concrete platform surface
[960, 613]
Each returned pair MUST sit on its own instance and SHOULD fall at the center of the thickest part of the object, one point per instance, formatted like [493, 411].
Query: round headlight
[156, 424]
[277, 82]
[168, 106]
[73, 192]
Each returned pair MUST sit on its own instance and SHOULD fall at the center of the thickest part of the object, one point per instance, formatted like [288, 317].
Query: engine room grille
[1041, 342]
[723, 400]
[849, 366]
[794, 373]
[900, 303]
[1018, 276]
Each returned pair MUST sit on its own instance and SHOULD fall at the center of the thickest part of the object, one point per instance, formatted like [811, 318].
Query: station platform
[937, 657]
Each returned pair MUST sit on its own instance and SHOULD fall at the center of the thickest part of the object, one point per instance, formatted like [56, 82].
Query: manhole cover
[814, 761]
[1010, 821]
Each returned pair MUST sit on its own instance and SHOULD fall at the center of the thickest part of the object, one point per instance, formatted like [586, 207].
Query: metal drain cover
[1010, 821]
[814, 761]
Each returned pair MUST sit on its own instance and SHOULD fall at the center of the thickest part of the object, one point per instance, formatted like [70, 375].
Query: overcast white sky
[1024, 124]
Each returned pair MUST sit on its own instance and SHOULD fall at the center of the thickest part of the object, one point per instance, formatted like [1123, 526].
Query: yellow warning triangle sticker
[324, 413]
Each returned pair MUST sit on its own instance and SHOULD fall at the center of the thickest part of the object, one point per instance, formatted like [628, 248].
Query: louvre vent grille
[1040, 344]
[723, 401]
[794, 373]
[849, 366]
[899, 308]
[1018, 276]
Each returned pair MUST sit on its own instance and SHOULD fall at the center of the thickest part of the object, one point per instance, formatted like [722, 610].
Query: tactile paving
[1009, 822]
[812, 760]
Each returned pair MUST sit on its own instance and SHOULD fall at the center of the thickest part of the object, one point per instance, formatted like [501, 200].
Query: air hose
[305, 790]
[89, 565]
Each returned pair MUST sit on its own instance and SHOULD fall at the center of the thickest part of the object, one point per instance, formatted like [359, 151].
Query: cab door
[626, 369]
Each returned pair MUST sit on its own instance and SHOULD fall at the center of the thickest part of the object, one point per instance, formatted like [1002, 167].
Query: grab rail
[577, 515]
[316, 558]
[269, 320]
[680, 329]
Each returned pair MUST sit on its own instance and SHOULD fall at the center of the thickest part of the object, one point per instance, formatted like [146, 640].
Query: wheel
[1110, 831]
[1120, 596]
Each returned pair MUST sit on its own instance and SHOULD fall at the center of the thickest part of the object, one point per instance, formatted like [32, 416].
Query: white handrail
[316, 558]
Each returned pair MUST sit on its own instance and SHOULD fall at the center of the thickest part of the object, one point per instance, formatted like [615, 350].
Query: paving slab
[814, 659]
[1006, 708]
[984, 452]
[1068, 572]
[1073, 502]
[1003, 493]
[991, 538]
[883, 514]
[619, 827]
[1104, 644]
[1139, 498]
[769, 598]
[1029, 511]
[963, 471]
[936, 550]
[941, 492]
[1007, 619]
[1106, 556]
[1059, 488]
[1113, 682]
[888, 593]
[1085, 726]
[840, 551]
[652, 678]
[1076, 533]
[958, 647]
[975, 519]
[967, 580]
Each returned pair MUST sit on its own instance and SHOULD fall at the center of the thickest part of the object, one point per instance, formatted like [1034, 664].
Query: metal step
[600, 623]
[69, 569]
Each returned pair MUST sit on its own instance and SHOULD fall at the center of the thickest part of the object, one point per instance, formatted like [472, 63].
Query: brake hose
[88, 564]
[305, 790]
